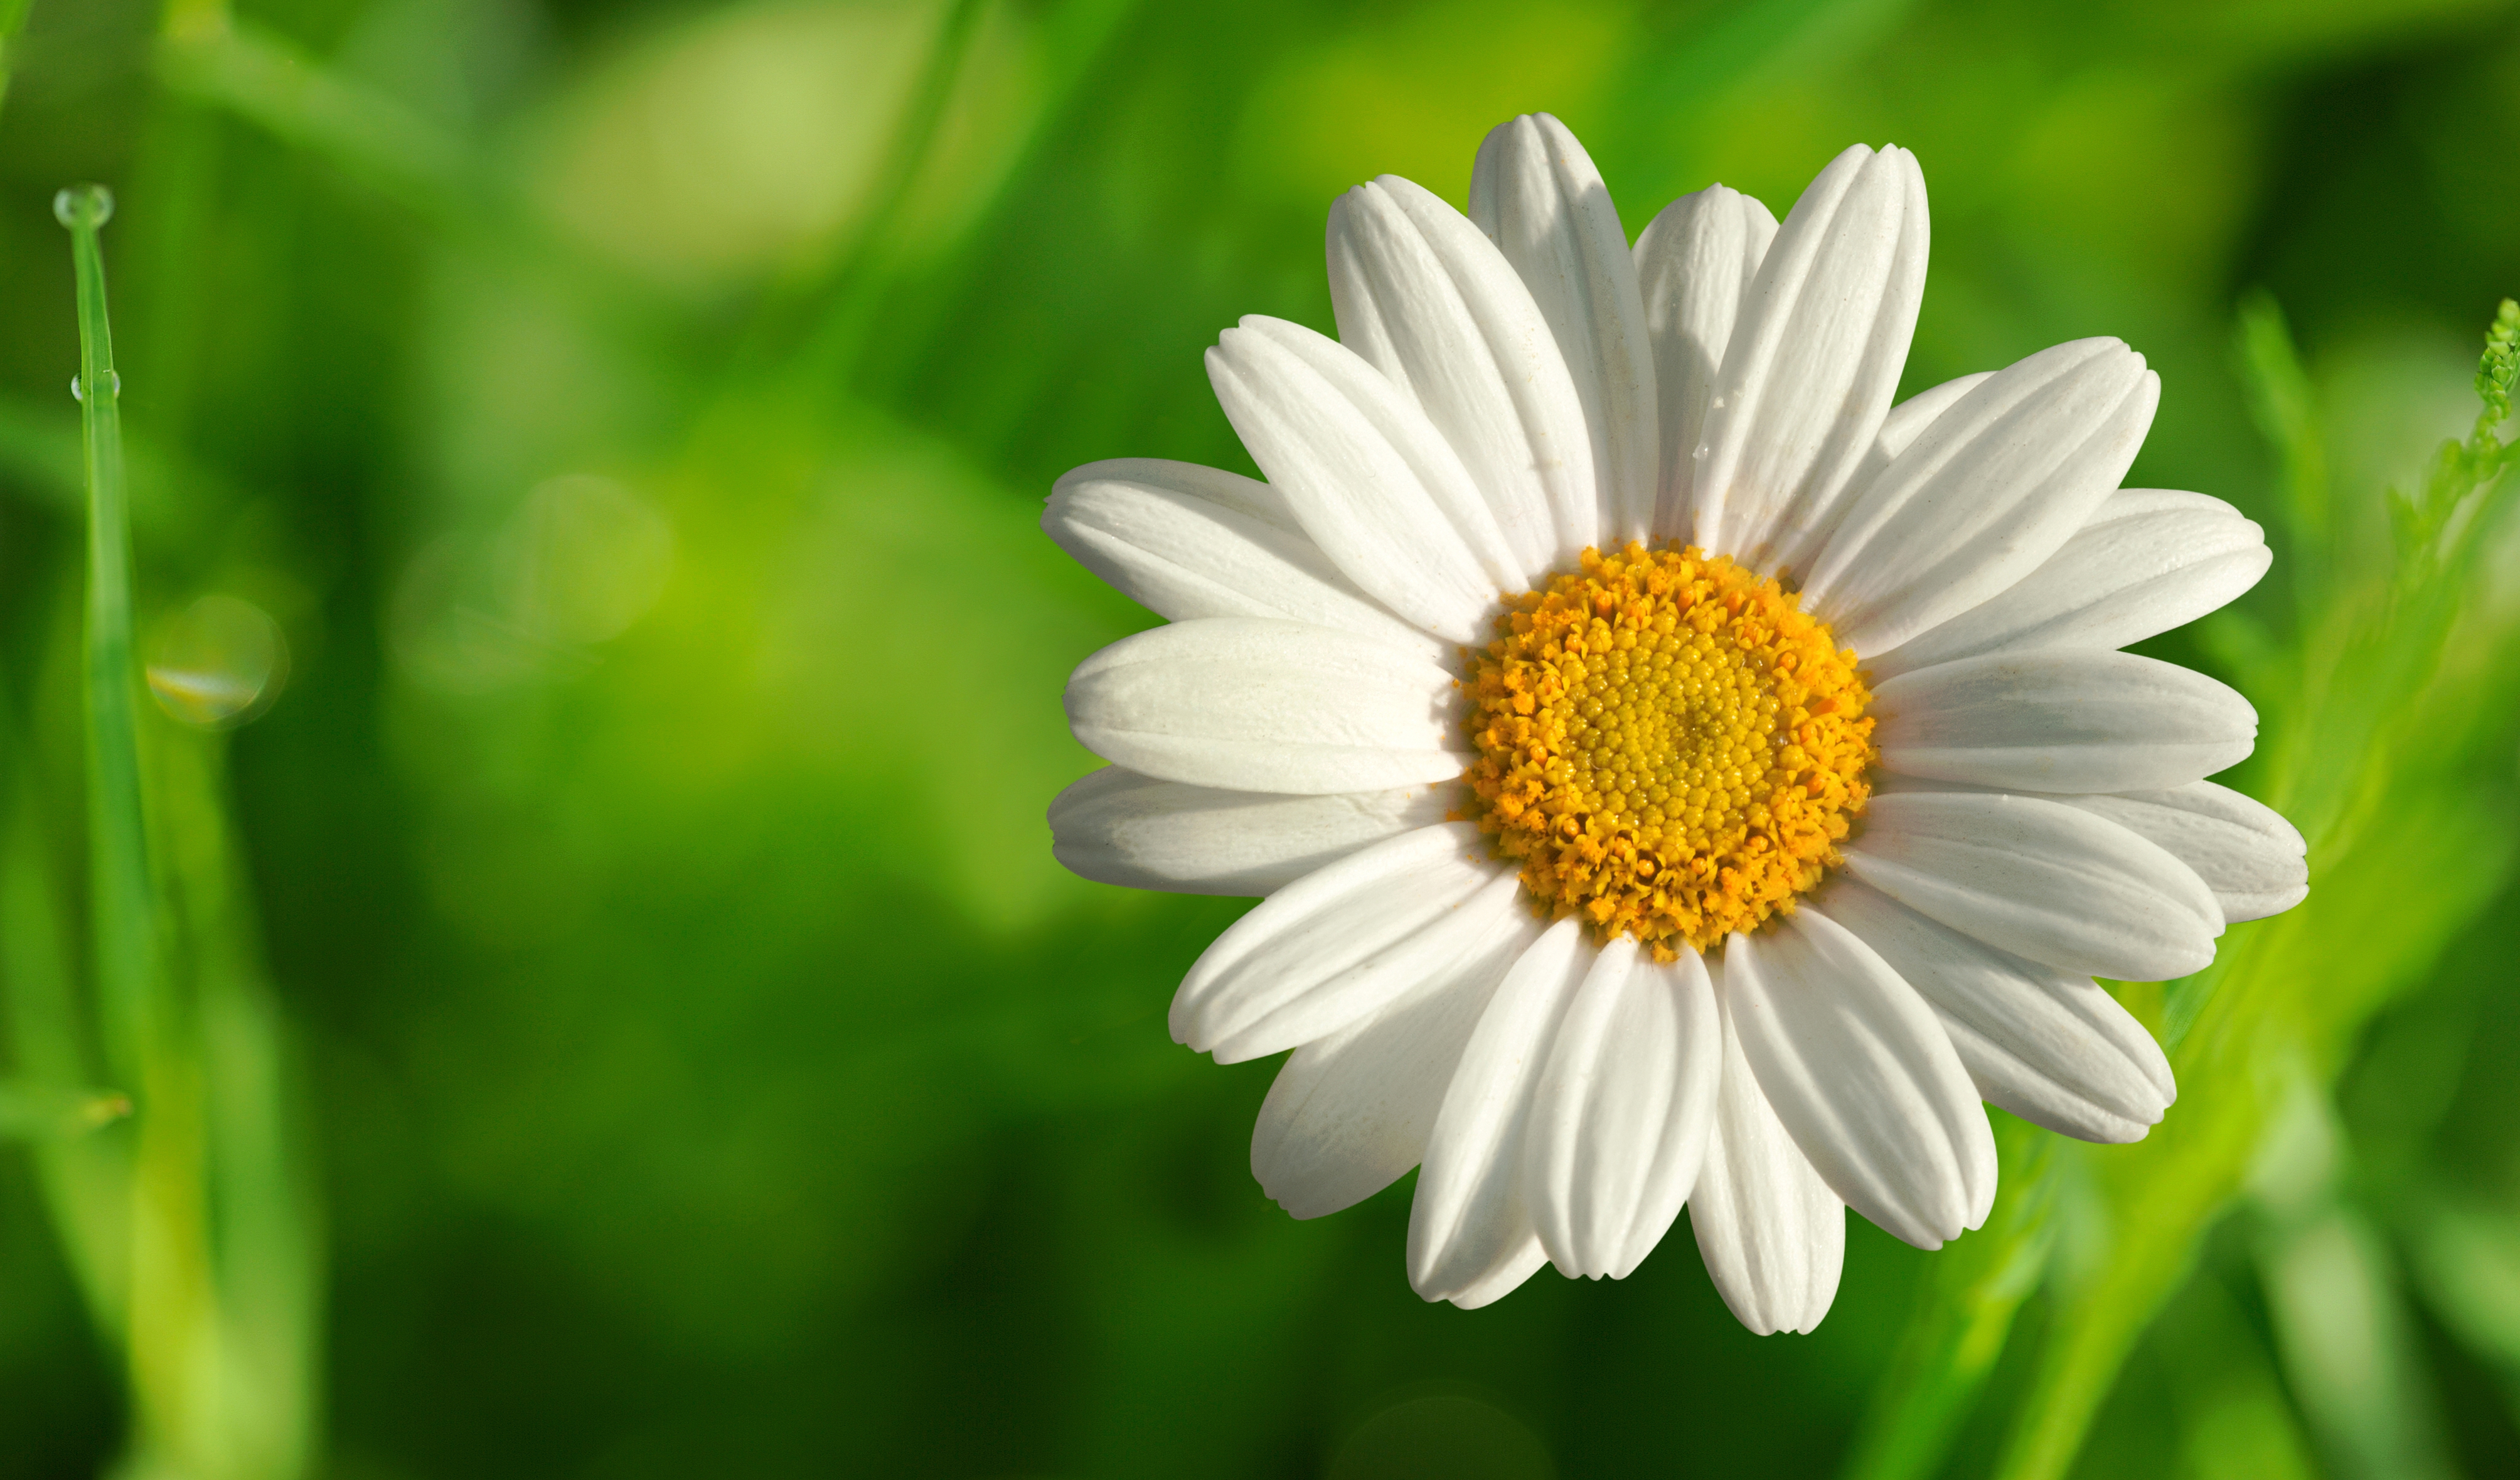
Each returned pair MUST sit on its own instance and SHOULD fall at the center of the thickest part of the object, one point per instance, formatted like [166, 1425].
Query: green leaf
[2496, 372]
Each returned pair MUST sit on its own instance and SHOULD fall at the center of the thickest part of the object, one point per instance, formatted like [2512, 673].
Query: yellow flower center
[1671, 746]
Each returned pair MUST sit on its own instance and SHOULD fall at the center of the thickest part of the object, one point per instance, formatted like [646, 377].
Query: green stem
[1964, 1319]
[125, 907]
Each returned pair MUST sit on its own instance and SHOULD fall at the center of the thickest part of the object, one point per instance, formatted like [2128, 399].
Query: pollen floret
[1668, 744]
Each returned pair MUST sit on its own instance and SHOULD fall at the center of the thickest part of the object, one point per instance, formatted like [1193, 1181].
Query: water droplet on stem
[84, 205]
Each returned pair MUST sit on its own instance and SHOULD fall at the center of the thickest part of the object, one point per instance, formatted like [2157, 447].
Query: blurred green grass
[636, 416]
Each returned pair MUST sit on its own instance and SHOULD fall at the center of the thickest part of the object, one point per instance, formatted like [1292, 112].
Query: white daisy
[1676, 774]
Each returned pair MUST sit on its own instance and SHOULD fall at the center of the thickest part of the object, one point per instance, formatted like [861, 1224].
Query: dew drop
[94, 202]
[76, 394]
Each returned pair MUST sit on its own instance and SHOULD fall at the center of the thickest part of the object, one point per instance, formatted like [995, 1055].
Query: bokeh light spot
[218, 664]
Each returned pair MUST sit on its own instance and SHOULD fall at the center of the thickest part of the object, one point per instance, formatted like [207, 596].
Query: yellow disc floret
[1671, 746]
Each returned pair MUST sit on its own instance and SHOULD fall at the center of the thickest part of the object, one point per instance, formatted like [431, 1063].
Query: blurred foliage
[627, 421]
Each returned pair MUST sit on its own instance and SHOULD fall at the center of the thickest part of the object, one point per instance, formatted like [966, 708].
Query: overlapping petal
[1535, 193]
[1185, 540]
[1986, 492]
[1342, 942]
[1471, 1228]
[1351, 1111]
[2039, 878]
[2049, 1046]
[2253, 860]
[1370, 482]
[1116, 827]
[1695, 264]
[1908, 419]
[1772, 1233]
[2148, 561]
[1863, 1077]
[2062, 720]
[1812, 362]
[1255, 705]
[1619, 1119]
[1428, 300]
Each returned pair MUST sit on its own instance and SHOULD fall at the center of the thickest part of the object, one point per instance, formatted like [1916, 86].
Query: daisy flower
[1676, 774]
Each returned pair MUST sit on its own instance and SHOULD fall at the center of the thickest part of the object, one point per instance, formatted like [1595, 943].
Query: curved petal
[1185, 540]
[1341, 942]
[1908, 419]
[1814, 361]
[1351, 1111]
[2048, 1046]
[1470, 1222]
[1115, 826]
[1255, 705]
[1536, 194]
[1985, 494]
[2061, 721]
[1772, 1233]
[2039, 878]
[1372, 483]
[1695, 263]
[1430, 301]
[1618, 1123]
[1862, 1076]
[2149, 560]
[1503, 1276]
[2252, 859]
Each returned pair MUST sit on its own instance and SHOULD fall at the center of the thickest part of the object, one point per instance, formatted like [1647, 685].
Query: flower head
[1676, 775]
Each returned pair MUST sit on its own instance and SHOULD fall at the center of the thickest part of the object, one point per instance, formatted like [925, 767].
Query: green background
[637, 416]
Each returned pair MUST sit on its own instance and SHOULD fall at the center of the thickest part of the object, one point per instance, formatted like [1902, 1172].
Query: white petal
[1814, 361]
[2061, 721]
[1536, 194]
[1991, 489]
[1350, 1112]
[1862, 1076]
[1470, 1220]
[1695, 263]
[2041, 879]
[1255, 705]
[1908, 419]
[1373, 484]
[1185, 540]
[1341, 942]
[1618, 1125]
[1427, 299]
[1115, 826]
[2247, 854]
[2149, 560]
[2050, 1047]
[1504, 1275]
[1772, 1233]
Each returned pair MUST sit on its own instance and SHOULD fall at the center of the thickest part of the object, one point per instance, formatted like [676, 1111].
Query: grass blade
[125, 915]
[1962, 1318]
